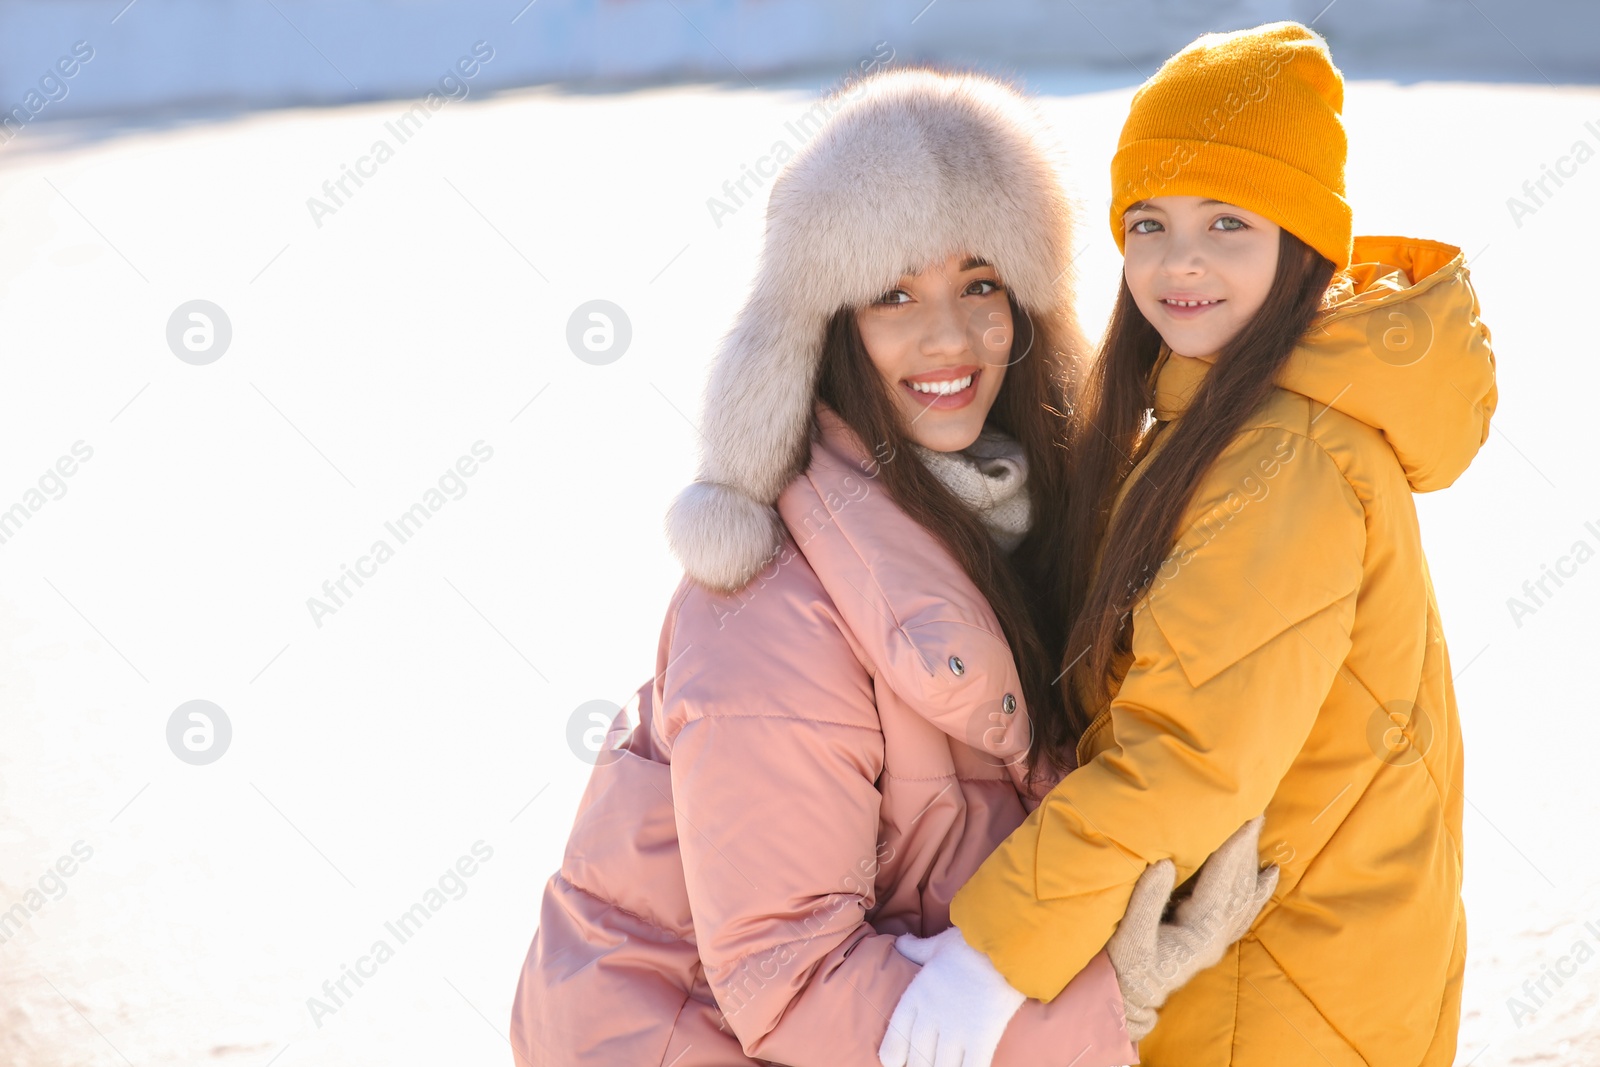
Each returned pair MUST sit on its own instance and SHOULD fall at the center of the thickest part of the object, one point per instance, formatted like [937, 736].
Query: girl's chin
[1193, 347]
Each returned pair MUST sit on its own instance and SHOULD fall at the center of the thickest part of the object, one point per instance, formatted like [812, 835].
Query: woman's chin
[948, 431]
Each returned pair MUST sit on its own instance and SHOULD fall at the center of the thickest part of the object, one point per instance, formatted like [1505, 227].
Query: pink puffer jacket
[804, 784]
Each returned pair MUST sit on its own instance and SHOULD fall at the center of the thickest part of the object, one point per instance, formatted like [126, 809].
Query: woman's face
[941, 340]
[1198, 269]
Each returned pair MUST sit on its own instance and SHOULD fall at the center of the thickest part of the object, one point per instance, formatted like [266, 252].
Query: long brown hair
[1032, 407]
[1110, 433]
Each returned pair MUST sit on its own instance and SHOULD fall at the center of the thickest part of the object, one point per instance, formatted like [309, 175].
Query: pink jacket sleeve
[777, 821]
[776, 751]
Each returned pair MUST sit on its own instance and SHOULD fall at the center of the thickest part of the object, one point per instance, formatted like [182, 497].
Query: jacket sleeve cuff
[1084, 1025]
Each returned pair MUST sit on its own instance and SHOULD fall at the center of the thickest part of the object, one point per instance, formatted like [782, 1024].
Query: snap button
[956, 666]
[1008, 704]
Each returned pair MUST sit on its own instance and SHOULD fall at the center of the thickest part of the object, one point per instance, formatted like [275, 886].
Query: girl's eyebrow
[1145, 205]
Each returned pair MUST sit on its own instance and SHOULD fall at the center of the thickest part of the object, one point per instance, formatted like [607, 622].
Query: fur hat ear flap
[754, 435]
[721, 536]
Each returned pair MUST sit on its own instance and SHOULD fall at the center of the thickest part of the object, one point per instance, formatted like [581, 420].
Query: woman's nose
[945, 328]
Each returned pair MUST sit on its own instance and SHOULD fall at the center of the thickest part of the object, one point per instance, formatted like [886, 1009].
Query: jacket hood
[1400, 348]
[912, 166]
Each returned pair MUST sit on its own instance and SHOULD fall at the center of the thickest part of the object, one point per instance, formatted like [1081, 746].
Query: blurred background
[326, 540]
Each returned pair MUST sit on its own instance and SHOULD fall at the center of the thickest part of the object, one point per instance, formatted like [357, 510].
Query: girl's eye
[1230, 218]
[994, 286]
[889, 297]
[1140, 222]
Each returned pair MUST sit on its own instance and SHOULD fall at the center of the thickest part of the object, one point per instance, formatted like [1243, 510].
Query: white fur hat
[914, 165]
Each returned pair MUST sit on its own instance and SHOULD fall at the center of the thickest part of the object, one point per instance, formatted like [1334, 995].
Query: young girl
[834, 736]
[1259, 631]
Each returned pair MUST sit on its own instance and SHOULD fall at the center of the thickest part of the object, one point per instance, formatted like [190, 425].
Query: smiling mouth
[944, 388]
[949, 393]
[1188, 304]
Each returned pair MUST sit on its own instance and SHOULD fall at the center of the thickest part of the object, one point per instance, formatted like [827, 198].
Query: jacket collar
[1400, 349]
[1175, 380]
[923, 626]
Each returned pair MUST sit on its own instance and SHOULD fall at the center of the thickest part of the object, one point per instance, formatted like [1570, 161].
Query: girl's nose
[1183, 255]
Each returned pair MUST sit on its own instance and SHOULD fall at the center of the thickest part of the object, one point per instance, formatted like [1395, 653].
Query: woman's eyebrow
[970, 263]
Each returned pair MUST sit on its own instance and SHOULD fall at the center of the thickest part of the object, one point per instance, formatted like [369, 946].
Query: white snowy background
[372, 348]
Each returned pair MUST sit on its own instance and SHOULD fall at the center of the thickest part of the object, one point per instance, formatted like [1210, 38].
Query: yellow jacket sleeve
[1236, 643]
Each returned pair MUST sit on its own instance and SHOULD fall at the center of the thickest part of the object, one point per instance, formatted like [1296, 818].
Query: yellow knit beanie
[1250, 117]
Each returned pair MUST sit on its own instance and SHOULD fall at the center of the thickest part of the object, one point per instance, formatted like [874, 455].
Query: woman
[1260, 629]
[834, 737]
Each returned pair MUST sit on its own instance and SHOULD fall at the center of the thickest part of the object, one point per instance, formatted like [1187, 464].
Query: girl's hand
[1153, 958]
[954, 1011]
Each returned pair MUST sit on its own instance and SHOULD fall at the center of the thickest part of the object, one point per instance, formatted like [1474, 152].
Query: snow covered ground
[403, 745]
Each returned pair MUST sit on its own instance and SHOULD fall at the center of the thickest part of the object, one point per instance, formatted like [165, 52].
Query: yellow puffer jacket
[1288, 658]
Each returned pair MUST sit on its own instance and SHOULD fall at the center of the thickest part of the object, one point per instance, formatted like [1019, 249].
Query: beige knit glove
[1153, 958]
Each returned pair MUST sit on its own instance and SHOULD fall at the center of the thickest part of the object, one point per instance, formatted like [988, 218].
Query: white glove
[1153, 958]
[954, 1011]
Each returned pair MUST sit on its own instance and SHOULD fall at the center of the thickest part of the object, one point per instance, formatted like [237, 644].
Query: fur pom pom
[722, 537]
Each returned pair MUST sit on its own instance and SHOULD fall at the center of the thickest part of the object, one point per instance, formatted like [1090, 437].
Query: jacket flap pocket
[1218, 603]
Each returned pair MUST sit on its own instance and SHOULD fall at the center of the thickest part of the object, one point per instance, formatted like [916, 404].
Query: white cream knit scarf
[988, 476]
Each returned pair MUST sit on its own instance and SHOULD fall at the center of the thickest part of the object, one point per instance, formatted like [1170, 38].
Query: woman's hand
[1153, 958]
[955, 1010]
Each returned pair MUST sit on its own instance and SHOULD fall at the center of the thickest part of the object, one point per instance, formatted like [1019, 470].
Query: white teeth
[1188, 303]
[942, 388]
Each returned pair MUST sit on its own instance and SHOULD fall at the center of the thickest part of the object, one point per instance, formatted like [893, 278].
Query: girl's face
[1197, 269]
[941, 340]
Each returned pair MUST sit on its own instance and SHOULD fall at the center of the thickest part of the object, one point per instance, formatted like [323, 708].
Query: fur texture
[914, 165]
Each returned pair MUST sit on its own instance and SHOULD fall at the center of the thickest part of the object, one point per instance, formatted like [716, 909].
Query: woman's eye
[889, 297]
[994, 286]
[1140, 222]
[1239, 223]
